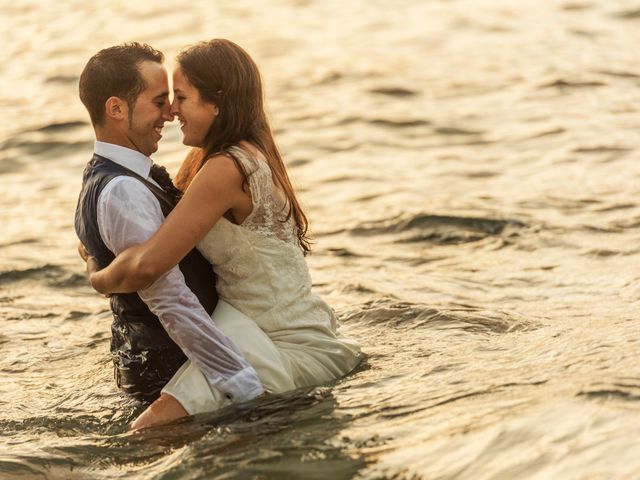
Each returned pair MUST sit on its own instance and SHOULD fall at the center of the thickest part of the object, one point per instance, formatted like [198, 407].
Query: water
[470, 168]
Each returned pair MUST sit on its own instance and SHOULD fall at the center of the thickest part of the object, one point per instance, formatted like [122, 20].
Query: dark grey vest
[144, 356]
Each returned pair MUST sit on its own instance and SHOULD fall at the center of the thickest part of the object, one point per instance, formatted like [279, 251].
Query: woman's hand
[92, 266]
[82, 250]
[92, 269]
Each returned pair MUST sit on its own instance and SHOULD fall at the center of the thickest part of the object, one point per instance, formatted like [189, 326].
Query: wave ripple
[438, 229]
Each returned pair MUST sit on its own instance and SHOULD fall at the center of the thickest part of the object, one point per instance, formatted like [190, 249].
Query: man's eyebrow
[163, 94]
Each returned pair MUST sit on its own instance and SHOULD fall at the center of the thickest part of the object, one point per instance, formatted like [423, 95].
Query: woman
[240, 209]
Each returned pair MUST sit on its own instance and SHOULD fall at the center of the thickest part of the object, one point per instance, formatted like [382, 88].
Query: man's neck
[114, 138]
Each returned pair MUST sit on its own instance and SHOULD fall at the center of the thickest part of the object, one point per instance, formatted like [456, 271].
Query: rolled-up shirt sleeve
[128, 214]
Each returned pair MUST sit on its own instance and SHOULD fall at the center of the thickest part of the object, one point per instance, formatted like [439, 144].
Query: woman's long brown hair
[226, 76]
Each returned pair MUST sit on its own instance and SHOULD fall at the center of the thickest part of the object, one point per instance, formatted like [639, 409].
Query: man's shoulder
[123, 186]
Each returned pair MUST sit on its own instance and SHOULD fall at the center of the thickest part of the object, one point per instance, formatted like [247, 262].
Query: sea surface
[471, 169]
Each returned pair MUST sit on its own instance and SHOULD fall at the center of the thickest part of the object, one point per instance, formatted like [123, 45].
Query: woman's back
[260, 266]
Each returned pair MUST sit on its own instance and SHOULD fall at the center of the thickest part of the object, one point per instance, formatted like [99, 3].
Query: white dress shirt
[129, 214]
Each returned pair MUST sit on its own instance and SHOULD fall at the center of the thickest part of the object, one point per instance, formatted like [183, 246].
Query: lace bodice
[260, 266]
[269, 209]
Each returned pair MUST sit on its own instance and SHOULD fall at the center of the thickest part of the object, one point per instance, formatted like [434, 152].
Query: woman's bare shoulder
[220, 166]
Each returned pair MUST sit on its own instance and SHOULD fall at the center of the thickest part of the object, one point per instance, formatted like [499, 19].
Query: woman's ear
[116, 108]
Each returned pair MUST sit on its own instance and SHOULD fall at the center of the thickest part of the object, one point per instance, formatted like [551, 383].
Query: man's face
[151, 109]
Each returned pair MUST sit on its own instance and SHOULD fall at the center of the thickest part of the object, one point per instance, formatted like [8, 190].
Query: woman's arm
[214, 190]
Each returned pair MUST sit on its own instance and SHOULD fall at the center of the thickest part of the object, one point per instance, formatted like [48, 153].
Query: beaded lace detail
[268, 217]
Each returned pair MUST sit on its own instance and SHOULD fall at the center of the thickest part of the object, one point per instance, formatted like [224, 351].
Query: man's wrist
[244, 385]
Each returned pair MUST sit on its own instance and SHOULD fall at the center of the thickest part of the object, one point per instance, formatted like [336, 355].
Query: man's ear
[116, 108]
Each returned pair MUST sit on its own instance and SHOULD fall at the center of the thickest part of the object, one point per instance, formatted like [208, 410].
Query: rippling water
[471, 171]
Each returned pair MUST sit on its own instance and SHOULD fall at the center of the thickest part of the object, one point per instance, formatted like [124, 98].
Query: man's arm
[128, 214]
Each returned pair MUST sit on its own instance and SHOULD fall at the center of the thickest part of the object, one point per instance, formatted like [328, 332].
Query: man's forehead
[155, 78]
[153, 72]
[156, 91]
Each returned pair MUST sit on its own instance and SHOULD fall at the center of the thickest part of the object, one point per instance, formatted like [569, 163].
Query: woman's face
[195, 115]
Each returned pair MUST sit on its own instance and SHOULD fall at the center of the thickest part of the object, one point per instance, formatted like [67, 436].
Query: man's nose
[174, 107]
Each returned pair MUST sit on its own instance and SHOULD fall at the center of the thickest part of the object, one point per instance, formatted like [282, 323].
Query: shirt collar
[126, 157]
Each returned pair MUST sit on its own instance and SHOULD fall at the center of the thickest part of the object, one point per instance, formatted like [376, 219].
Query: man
[125, 91]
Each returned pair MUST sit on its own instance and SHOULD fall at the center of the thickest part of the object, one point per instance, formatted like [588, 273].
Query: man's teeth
[158, 130]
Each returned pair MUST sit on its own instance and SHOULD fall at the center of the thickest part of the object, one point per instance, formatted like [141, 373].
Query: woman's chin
[190, 142]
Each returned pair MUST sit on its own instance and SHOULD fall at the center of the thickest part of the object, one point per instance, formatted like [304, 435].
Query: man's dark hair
[114, 72]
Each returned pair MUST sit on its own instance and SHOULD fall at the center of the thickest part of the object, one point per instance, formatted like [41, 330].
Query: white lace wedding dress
[266, 304]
